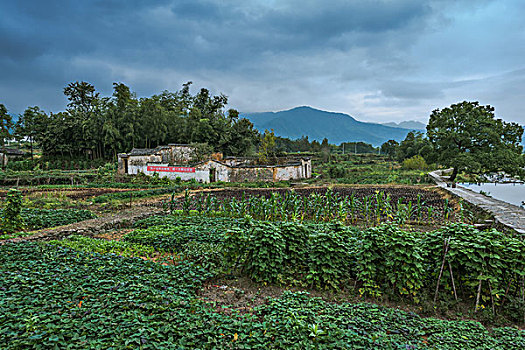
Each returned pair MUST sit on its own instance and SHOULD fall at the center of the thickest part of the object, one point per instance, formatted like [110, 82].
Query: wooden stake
[445, 248]
[492, 299]
[479, 293]
[452, 278]
[505, 296]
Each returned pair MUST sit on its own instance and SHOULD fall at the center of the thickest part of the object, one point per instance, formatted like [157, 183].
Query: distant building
[10, 153]
[181, 161]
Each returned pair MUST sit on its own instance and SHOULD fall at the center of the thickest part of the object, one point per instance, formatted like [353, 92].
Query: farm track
[91, 227]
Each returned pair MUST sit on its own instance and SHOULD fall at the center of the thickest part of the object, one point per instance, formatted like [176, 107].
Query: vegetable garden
[144, 287]
[364, 205]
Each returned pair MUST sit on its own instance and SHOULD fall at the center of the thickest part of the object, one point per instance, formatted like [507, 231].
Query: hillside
[317, 124]
[410, 124]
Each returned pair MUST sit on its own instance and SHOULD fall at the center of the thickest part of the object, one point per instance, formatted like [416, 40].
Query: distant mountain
[317, 124]
[411, 125]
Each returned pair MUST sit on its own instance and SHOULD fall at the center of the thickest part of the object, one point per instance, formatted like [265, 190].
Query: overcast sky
[377, 60]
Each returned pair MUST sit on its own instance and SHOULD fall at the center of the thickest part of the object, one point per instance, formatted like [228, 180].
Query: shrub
[12, 220]
[415, 163]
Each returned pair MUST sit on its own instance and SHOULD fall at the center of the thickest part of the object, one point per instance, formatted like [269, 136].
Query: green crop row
[55, 297]
[103, 246]
[485, 268]
[175, 231]
[36, 219]
[134, 194]
[43, 218]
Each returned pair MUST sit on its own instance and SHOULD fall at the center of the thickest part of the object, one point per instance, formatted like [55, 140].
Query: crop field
[145, 288]
[351, 205]
[36, 219]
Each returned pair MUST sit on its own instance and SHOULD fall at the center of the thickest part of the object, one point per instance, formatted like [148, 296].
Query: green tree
[267, 146]
[389, 148]
[242, 137]
[6, 123]
[467, 137]
[84, 120]
[31, 124]
[414, 144]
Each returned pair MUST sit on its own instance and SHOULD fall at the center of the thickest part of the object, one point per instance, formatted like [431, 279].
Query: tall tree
[31, 124]
[414, 144]
[389, 148]
[267, 147]
[467, 137]
[6, 123]
[85, 119]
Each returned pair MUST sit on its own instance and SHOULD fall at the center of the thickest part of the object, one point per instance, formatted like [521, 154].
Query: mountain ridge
[317, 124]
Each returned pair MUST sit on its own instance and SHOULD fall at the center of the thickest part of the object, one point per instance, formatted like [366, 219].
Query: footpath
[505, 213]
[123, 219]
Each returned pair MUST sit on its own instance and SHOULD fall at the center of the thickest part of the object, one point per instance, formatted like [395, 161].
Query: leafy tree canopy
[468, 137]
[6, 123]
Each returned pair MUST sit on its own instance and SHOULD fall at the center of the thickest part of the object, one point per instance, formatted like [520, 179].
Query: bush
[12, 220]
[415, 163]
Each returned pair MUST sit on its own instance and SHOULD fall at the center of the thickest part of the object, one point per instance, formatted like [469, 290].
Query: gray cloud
[378, 60]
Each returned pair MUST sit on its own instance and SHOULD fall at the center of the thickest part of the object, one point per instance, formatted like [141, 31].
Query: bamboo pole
[478, 295]
[445, 248]
[453, 283]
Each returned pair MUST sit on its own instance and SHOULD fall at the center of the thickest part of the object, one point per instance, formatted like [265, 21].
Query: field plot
[145, 289]
[352, 205]
[36, 219]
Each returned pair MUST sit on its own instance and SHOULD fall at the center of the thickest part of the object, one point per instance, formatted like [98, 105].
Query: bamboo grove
[100, 127]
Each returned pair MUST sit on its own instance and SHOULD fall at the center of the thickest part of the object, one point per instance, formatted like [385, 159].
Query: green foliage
[61, 298]
[11, 219]
[102, 246]
[36, 219]
[496, 259]
[66, 293]
[267, 148]
[467, 137]
[6, 123]
[389, 258]
[265, 251]
[276, 252]
[368, 169]
[415, 163]
[101, 127]
[350, 206]
[328, 260]
[389, 148]
[415, 143]
[134, 194]
[43, 218]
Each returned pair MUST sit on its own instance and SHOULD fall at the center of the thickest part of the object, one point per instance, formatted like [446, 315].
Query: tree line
[466, 137]
[100, 127]
[94, 127]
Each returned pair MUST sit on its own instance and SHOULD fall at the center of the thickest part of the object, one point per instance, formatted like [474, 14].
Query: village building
[182, 161]
[10, 153]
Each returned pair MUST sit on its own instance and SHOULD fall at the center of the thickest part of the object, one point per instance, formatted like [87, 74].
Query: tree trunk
[454, 174]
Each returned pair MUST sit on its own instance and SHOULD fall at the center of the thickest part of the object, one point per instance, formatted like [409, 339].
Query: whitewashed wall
[199, 175]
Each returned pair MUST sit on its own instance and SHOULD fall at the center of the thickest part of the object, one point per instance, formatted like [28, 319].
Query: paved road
[505, 213]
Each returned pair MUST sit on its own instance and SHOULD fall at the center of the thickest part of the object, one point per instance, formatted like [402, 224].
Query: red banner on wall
[170, 169]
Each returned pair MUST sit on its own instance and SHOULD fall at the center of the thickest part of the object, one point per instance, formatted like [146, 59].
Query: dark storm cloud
[353, 56]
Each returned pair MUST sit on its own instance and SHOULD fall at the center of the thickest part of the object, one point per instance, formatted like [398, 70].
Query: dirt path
[91, 227]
